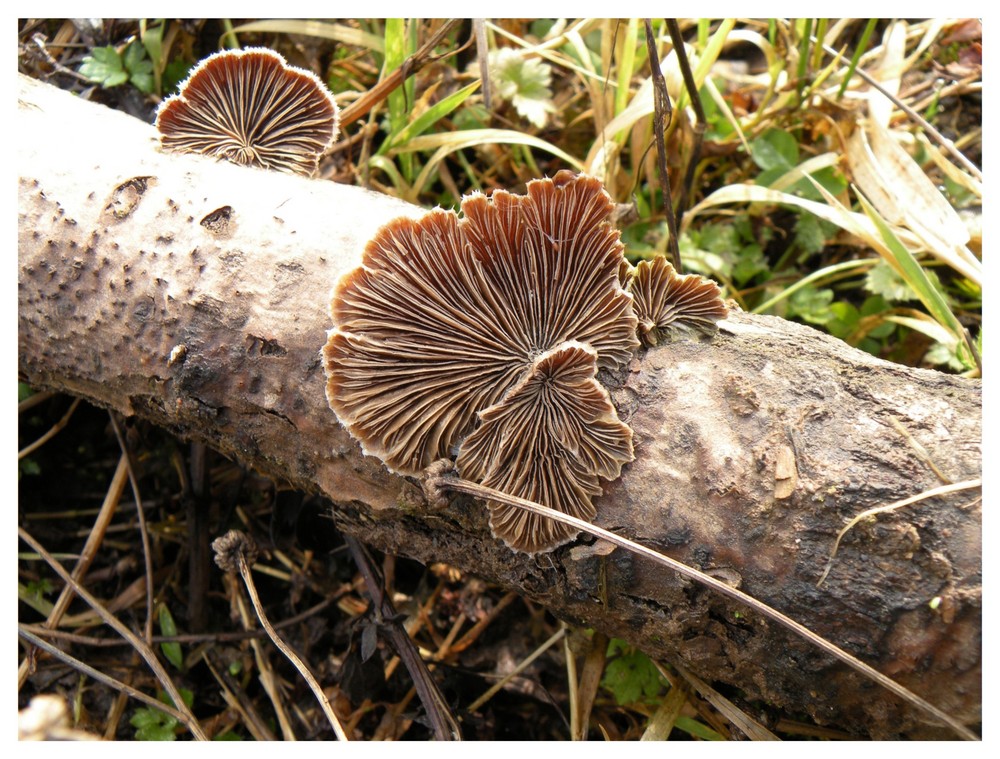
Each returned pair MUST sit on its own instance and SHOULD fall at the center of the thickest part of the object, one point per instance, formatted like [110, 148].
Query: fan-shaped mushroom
[250, 107]
[445, 316]
[549, 440]
[668, 304]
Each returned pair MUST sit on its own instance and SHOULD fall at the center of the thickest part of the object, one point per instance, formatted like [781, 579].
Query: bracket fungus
[481, 337]
[668, 304]
[447, 319]
[549, 440]
[250, 107]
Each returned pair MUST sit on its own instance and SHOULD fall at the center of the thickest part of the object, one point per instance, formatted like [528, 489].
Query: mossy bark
[195, 295]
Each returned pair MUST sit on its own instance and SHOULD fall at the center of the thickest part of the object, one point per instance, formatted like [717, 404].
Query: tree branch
[195, 295]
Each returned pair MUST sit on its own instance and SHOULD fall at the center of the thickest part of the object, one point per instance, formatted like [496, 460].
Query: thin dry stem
[555, 638]
[573, 688]
[921, 452]
[917, 118]
[750, 727]
[300, 665]
[237, 698]
[34, 399]
[51, 433]
[147, 553]
[932, 493]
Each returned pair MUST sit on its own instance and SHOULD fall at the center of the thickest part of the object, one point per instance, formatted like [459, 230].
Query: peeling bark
[195, 295]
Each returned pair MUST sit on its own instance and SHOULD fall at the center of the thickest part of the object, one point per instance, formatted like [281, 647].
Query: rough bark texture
[195, 295]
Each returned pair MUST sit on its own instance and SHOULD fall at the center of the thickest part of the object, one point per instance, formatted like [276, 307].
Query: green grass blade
[626, 66]
[862, 47]
[814, 277]
[430, 117]
[915, 276]
[403, 188]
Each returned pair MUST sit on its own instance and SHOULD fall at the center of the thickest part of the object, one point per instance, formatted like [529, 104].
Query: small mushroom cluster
[250, 107]
[482, 337]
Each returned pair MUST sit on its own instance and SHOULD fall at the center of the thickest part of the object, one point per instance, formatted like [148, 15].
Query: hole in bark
[264, 347]
[219, 222]
[126, 196]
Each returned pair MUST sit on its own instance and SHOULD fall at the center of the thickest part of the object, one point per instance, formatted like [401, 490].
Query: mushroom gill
[250, 107]
[670, 305]
[446, 315]
[549, 440]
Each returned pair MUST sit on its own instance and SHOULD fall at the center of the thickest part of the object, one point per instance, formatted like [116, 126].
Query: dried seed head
[549, 440]
[250, 107]
[230, 546]
[671, 305]
[445, 316]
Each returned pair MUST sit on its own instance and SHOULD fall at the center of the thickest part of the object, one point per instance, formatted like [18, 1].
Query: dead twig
[943, 141]
[663, 112]
[700, 121]
[234, 553]
[527, 662]
[147, 553]
[87, 556]
[422, 57]
[51, 433]
[444, 725]
[743, 722]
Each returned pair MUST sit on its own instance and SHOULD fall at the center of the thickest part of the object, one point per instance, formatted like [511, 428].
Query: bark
[195, 295]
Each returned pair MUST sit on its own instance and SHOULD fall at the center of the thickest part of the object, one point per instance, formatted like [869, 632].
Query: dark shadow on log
[195, 295]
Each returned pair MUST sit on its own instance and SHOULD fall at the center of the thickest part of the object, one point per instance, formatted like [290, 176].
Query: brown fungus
[671, 305]
[445, 316]
[500, 318]
[250, 107]
[549, 440]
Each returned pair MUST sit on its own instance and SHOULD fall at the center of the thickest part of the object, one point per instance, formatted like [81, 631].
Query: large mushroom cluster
[481, 337]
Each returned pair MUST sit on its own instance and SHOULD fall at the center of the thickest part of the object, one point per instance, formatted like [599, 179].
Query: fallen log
[195, 295]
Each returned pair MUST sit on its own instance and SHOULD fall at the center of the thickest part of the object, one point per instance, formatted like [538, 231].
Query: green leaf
[139, 67]
[104, 67]
[152, 40]
[697, 729]
[940, 354]
[524, 83]
[874, 304]
[883, 280]
[153, 725]
[750, 262]
[27, 466]
[812, 304]
[844, 319]
[810, 233]
[395, 53]
[175, 73]
[631, 676]
[775, 150]
[24, 391]
[172, 651]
